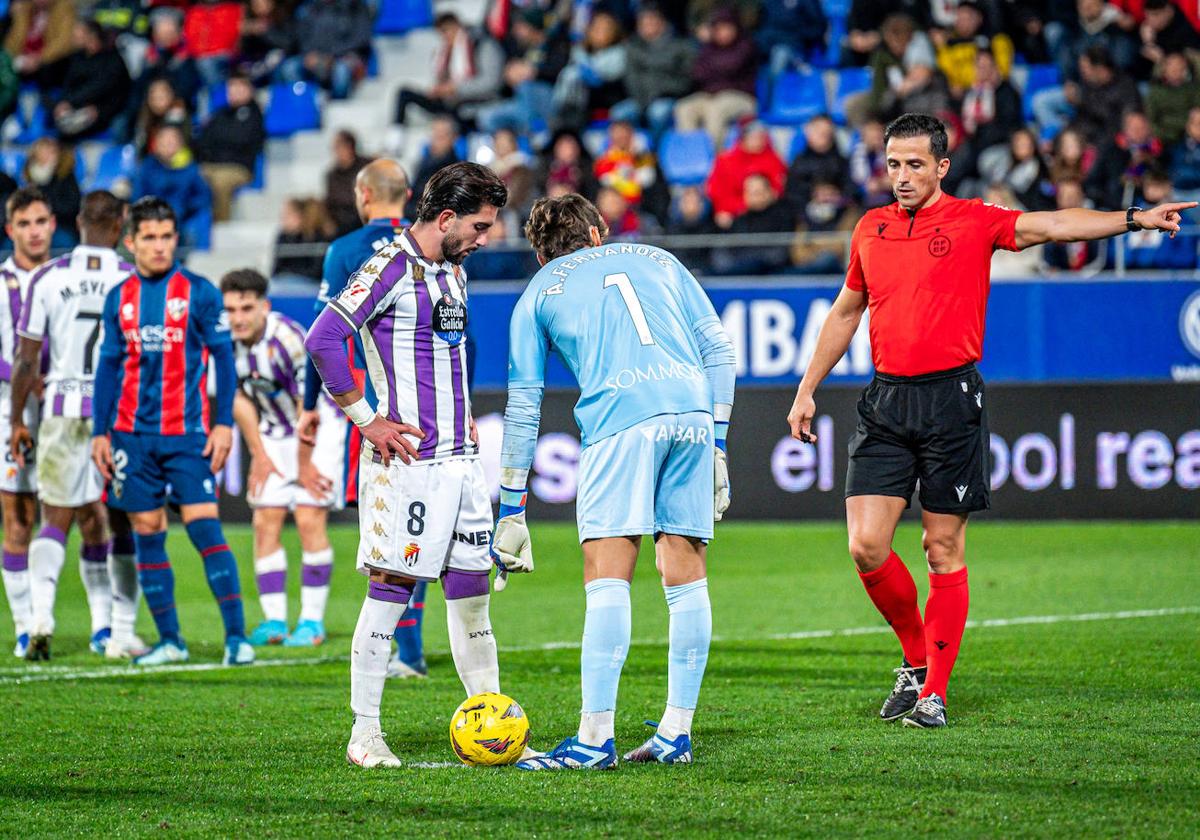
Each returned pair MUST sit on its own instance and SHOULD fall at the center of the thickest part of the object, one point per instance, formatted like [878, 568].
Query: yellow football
[489, 729]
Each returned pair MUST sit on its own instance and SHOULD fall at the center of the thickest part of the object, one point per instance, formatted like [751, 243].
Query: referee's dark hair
[150, 209]
[462, 187]
[245, 280]
[920, 125]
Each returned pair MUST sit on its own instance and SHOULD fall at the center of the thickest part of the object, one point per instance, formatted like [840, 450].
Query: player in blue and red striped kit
[152, 438]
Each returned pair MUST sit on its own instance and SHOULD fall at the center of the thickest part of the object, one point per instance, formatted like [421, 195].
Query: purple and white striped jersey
[16, 283]
[271, 373]
[62, 307]
[411, 313]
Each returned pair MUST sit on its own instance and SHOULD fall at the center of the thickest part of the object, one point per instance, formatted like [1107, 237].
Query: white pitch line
[50, 673]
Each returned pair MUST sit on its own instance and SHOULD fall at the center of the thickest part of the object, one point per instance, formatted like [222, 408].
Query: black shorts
[931, 427]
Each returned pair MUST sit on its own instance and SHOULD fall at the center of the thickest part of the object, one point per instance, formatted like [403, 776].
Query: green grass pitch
[1059, 727]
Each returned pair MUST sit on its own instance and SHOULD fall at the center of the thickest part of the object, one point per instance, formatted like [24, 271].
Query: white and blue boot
[238, 651]
[658, 748]
[573, 754]
[166, 652]
[99, 642]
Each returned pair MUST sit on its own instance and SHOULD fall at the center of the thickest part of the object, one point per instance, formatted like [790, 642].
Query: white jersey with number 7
[63, 306]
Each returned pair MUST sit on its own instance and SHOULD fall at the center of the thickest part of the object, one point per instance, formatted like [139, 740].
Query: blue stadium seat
[1040, 77]
[293, 108]
[836, 8]
[799, 144]
[218, 97]
[33, 125]
[115, 162]
[12, 161]
[851, 80]
[686, 157]
[197, 231]
[397, 17]
[81, 167]
[796, 98]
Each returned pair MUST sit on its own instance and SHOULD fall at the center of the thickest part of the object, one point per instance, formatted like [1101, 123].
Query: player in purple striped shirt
[424, 506]
[269, 356]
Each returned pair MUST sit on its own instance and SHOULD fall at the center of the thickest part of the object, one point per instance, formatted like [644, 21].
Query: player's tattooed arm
[26, 380]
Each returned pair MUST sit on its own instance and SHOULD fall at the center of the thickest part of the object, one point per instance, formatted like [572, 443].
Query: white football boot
[127, 648]
[368, 750]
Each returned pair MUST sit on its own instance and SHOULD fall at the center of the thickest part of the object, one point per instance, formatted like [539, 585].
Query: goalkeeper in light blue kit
[656, 372]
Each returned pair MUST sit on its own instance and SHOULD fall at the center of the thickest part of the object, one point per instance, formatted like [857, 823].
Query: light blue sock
[690, 634]
[605, 643]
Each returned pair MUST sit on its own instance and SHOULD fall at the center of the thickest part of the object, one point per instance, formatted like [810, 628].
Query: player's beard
[453, 250]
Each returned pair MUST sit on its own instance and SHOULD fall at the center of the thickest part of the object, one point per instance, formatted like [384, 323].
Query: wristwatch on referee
[1130, 224]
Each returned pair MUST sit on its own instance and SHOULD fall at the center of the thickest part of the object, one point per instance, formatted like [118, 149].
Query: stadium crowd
[679, 118]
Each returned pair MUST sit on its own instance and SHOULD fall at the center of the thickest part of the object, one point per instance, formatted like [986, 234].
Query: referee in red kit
[921, 265]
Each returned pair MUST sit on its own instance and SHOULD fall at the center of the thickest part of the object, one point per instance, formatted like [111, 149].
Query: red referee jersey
[926, 276]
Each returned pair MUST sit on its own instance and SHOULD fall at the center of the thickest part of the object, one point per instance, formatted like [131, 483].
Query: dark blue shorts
[149, 470]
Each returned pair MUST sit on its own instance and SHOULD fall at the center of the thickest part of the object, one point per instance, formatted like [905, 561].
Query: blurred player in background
[270, 360]
[424, 510]
[29, 223]
[62, 308]
[381, 191]
[921, 266]
[160, 325]
[656, 375]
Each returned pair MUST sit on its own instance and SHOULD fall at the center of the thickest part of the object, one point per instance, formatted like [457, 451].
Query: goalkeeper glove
[511, 550]
[721, 488]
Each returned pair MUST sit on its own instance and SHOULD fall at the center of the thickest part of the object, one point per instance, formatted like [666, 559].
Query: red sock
[945, 618]
[894, 594]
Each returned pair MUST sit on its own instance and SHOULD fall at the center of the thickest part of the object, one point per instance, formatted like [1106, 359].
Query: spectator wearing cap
[904, 75]
[821, 160]
[1173, 93]
[764, 213]
[593, 78]
[538, 50]
[655, 58]
[467, 71]
[1117, 175]
[788, 30]
[230, 143]
[333, 38]
[95, 86]
[1185, 159]
[171, 174]
[956, 51]
[724, 74]
[753, 154]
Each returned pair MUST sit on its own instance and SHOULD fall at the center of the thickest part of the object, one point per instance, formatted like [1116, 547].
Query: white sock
[473, 644]
[270, 571]
[16, 587]
[122, 572]
[675, 722]
[46, 559]
[596, 727]
[314, 578]
[370, 650]
[93, 571]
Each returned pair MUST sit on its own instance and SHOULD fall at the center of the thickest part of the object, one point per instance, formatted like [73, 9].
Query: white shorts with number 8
[417, 520]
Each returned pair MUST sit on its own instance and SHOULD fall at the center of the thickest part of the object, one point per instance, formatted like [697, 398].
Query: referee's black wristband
[1130, 224]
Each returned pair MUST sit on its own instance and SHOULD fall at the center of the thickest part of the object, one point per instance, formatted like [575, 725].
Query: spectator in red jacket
[752, 155]
[212, 29]
[724, 74]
